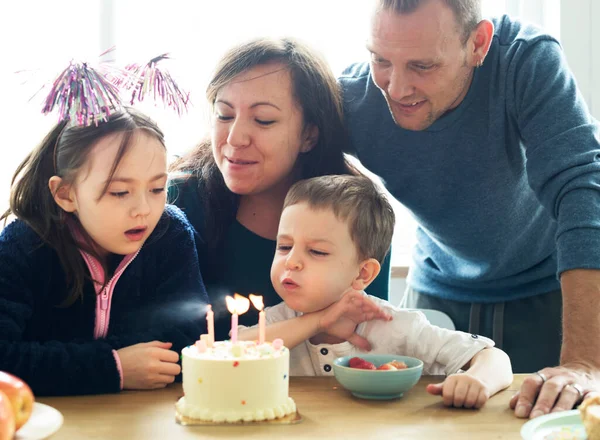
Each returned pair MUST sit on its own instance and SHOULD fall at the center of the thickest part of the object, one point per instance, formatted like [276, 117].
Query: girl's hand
[149, 365]
[341, 318]
[461, 391]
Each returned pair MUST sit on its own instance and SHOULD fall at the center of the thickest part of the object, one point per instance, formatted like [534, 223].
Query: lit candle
[210, 323]
[237, 305]
[257, 301]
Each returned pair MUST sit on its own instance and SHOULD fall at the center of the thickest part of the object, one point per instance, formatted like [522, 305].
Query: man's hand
[341, 318]
[554, 389]
[461, 391]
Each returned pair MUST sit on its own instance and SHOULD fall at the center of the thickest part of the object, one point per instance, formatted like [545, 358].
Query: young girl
[100, 286]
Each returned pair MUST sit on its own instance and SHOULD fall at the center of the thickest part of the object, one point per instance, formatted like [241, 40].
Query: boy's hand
[148, 365]
[341, 318]
[461, 391]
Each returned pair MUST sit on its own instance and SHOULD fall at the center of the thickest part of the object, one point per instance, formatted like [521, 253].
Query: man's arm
[580, 355]
[562, 146]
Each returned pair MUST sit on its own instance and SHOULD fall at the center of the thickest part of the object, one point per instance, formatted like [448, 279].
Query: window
[195, 33]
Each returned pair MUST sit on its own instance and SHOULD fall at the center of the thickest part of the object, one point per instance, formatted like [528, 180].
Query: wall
[581, 40]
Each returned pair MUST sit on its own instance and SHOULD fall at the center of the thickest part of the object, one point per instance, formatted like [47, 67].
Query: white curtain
[544, 13]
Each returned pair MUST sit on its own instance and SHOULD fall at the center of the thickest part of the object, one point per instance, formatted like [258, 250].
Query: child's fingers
[513, 400]
[360, 342]
[169, 368]
[460, 393]
[159, 344]
[482, 398]
[448, 392]
[472, 396]
[165, 379]
[166, 355]
[435, 388]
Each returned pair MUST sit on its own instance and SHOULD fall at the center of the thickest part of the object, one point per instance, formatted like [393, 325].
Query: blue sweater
[158, 297]
[505, 188]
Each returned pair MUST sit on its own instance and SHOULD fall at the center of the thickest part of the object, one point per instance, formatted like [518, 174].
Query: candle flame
[208, 308]
[239, 304]
[257, 301]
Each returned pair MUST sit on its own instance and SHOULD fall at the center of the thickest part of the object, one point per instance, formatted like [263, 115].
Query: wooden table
[328, 411]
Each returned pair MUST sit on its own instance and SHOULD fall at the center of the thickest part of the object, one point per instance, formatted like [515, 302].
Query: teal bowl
[378, 384]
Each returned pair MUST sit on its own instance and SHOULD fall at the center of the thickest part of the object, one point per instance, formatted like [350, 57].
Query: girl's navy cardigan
[160, 296]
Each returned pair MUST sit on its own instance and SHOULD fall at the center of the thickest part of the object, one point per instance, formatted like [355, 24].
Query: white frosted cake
[236, 382]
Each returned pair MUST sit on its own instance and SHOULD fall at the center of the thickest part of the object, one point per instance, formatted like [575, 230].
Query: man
[478, 128]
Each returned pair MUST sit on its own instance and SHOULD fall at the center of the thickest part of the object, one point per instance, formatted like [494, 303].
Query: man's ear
[369, 269]
[62, 194]
[480, 41]
[310, 138]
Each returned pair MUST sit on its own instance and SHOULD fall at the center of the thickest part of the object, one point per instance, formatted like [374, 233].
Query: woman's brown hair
[318, 95]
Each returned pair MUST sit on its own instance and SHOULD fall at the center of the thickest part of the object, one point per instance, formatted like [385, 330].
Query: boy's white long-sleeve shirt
[409, 333]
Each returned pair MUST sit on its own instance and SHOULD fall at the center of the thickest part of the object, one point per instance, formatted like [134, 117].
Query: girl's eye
[283, 248]
[265, 123]
[158, 190]
[119, 194]
[319, 253]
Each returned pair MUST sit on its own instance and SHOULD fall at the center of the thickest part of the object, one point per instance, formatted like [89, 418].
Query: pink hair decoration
[150, 79]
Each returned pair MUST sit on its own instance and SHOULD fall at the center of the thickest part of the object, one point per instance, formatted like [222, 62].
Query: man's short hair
[466, 12]
[354, 200]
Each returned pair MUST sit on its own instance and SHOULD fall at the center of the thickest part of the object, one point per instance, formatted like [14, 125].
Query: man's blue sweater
[506, 187]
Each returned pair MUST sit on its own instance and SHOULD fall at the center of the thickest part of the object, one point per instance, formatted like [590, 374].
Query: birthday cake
[236, 382]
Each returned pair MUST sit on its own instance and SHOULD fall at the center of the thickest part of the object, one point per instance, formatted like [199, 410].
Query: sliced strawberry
[352, 363]
[399, 365]
[360, 363]
[387, 366]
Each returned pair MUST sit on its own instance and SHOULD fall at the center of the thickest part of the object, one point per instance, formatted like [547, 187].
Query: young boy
[334, 231]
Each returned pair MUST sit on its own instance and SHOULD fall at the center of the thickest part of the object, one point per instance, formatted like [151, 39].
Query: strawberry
[360, 363]
[399, 365]
[387, 366]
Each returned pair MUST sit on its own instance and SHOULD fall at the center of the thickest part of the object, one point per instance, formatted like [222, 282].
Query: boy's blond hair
[354, 200]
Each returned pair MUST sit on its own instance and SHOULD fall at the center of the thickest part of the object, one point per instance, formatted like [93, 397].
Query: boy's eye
[119, 194]
[319, 253]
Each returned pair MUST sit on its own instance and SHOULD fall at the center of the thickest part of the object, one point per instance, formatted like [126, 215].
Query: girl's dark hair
[63, 153]
[317, 93]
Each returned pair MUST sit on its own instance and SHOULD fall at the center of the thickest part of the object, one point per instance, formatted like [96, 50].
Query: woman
[276, 119]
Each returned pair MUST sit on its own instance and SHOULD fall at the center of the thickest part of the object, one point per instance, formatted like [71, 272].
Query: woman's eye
[119, 194]
[224, 118]
[265, 123]
[283, 248]
[158, 190]
[319, 253]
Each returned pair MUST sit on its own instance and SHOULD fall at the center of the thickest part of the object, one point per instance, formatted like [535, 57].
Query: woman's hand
[341, 318]
[149, 365]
